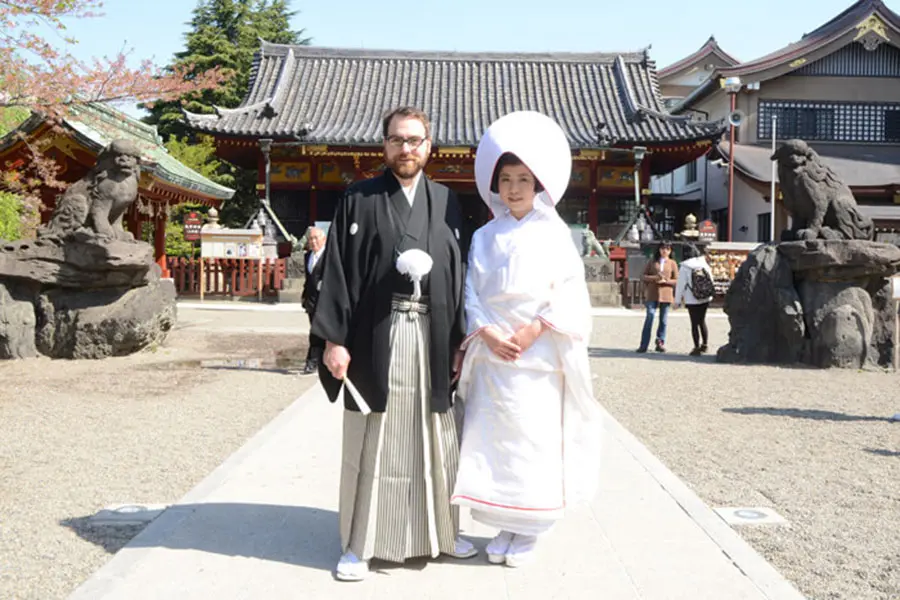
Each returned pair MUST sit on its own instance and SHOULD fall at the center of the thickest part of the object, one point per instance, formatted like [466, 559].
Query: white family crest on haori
[415, 264]
[538, 142]
[532, 431]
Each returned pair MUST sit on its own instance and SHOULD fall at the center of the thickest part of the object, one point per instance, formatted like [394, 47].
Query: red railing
[226, 276]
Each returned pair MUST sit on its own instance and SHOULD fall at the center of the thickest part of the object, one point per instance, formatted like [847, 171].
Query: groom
[392, 506]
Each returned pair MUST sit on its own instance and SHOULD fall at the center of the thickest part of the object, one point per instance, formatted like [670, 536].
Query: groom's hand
[337, 360]
[457, 365]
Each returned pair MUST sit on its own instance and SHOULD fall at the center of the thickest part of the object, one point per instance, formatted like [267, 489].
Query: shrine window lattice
[875, 122]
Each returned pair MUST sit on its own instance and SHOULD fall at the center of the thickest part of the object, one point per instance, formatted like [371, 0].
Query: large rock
[840, 320]
[841, 260]
[107, 322]
[81, 261]
[81, 297]
[825, 303]
[764, 311]
[17, 322]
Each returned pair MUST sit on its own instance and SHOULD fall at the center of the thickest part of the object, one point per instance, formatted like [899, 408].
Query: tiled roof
[97, 125]
[710, 48]
[847, 27]
[337, 96]
[873, 167]
[846, 22]
[102, 124]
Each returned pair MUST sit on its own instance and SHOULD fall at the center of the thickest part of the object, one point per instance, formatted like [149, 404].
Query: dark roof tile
[337, 96]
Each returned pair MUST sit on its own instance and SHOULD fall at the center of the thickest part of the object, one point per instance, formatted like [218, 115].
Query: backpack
[702, 284]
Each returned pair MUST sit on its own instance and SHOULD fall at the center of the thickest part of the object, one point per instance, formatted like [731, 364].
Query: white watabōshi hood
[539, 143]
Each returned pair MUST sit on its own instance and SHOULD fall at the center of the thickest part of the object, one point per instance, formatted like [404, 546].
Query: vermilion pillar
[159, 242]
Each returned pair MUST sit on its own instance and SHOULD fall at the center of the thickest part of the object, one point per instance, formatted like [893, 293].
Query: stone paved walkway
[264, 526]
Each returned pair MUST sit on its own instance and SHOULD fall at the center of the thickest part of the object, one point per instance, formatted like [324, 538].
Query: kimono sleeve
[569, 309]
[476, 318]
[334, 309]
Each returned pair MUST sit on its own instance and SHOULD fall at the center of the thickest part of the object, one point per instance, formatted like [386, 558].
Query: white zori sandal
[351, 568]
[499, 546]
[521, 550]
[463, 549]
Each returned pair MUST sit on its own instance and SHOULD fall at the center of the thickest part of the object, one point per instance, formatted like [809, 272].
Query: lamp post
[639, 153]
[732, 86]
[265, 145]
[772, 190]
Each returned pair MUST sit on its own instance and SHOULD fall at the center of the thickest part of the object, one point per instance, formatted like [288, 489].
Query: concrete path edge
[104, 580]
[762, 574]
[745, 558]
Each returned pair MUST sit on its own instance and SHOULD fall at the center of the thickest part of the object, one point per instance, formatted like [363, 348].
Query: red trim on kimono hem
[486, 503]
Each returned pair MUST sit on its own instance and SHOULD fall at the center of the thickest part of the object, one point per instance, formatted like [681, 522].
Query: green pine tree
[224, 33]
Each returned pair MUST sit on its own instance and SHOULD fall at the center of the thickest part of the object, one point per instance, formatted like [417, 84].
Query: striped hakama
[399, 467]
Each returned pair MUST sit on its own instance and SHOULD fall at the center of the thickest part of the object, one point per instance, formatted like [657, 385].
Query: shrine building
[315, 114]
[75, 145]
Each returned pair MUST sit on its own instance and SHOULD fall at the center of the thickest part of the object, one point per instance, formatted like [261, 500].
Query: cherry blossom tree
[41, 76]
[45, 78]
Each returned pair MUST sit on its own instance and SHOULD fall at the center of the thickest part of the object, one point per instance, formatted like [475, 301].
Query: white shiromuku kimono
[532, 428]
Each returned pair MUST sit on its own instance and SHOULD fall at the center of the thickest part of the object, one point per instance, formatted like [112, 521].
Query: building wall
[748, 202]
[791, 87]
[684, 181]
[676, 183]
[681, 84]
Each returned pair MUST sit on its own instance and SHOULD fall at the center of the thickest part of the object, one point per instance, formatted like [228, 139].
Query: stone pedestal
[599, 273]
[82, 297]
[824, 303]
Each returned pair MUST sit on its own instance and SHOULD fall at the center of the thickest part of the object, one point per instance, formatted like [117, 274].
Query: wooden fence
[226, 276]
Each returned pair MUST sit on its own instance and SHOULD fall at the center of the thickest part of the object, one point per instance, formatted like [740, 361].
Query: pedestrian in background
[660, 276]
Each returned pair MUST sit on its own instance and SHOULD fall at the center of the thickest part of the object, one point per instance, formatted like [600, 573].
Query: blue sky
[155, 29]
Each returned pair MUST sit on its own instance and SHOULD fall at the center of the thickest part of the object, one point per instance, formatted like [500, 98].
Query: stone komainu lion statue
[98, 201]
[822, 206]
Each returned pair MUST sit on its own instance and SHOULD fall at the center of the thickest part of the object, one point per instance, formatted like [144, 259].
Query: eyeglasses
[397, 142]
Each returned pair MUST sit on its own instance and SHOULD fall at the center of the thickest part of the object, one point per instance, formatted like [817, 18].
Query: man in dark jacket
[313, 266]
[400, 447]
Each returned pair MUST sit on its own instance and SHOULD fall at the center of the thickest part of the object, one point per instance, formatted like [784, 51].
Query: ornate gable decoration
[871, 33]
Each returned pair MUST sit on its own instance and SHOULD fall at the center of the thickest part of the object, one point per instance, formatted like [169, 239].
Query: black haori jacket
[372, 225]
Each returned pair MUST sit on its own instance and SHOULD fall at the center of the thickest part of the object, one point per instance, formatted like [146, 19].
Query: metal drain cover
[750, 515]
[127, 514]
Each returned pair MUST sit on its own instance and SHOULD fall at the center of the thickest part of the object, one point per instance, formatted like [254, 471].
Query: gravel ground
[77, 436]
[816, 446]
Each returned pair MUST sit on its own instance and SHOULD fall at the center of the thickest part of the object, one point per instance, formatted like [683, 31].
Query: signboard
[290, 172]
[232, 243]
[636, 261]
[581, 176]
[192, 224]
[615, 177]
[445, 170]
[709, 231]
[241, 244]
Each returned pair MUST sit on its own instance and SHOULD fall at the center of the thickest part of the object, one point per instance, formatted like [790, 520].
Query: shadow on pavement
[803, 413]
[883, 452]
[111, 538]
[297, 535]
[649, 355]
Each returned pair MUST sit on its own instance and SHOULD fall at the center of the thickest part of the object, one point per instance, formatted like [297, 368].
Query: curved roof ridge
[273, 49]
[710, 47]
[840, 25]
